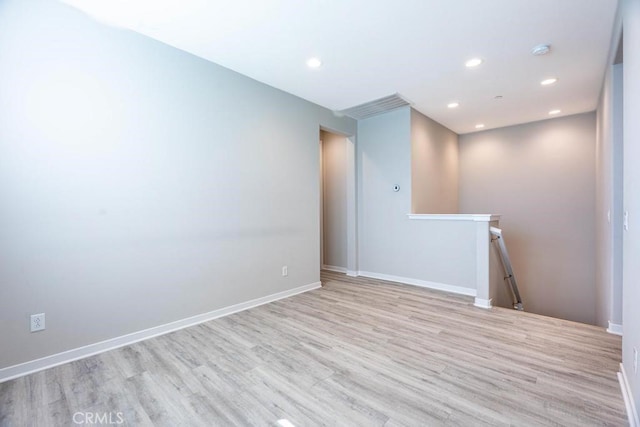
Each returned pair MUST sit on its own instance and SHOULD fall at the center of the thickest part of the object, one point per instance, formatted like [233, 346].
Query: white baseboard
[32, 366]
[614, 328]
[352, 273]
[629, 403]
[422, 283]
[334, 268]
[483, 303]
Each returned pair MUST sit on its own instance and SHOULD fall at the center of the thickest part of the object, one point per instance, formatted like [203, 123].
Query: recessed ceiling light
[550, 81]
[314, 62]
[479, 125]
[554, 112]
[541, 49]
[473, 62]
[453, 105]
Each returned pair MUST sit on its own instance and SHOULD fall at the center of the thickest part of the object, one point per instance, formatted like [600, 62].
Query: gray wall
[434, 167]
[609, 200]
[617, 212]
[540, 177]
[631, 273]
[334, 205]
[388, 242]
[140, 184]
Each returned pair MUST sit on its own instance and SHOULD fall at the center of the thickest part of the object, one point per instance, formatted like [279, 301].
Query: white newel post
[483, 246]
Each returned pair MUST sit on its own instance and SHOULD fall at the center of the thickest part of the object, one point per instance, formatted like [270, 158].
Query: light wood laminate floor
[358, 352]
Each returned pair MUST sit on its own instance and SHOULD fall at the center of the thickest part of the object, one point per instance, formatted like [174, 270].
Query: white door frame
[351, 203]
[352, 211]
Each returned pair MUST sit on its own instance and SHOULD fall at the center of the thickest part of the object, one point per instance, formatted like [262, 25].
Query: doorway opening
[337, 203]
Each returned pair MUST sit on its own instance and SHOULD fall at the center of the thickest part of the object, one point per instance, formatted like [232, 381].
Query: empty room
[354, 213]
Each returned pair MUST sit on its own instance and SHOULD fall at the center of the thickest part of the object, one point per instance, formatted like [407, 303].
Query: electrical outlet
[285, 270]
[635, 360]
[37, 322]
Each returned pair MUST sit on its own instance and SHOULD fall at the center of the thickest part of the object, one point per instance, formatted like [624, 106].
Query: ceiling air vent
[376, 107]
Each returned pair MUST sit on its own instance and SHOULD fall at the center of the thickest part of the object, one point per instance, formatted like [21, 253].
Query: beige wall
[434, 166]
[541, 177]
[334, 199]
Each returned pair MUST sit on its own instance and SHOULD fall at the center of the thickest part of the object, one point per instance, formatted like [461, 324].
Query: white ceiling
[417, 48]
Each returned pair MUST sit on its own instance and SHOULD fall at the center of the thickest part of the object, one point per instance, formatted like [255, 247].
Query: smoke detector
[541, 49]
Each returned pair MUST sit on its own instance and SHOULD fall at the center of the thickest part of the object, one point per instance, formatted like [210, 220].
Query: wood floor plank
[358, 351]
